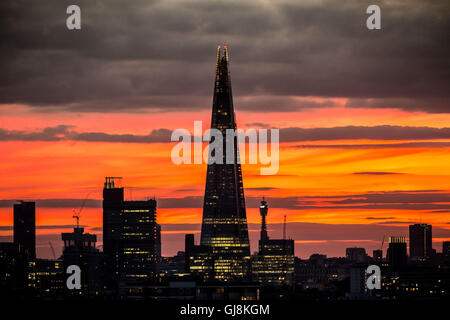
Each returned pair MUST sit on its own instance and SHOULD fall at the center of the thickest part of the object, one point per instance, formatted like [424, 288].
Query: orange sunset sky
[364, 117]
[309, 177]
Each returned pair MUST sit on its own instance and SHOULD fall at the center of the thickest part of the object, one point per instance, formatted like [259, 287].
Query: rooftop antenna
[284, 228]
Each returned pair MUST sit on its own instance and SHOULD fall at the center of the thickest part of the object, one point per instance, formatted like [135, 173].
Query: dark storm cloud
[412, 200]
[63, 132]
[362, 132]
[292, 134]
[159, 55]
[46, 134]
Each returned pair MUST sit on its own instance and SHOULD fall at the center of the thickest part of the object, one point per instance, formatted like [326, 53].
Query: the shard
[224, 226]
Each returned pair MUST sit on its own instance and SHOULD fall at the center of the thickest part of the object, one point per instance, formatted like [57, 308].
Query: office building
[25, 228]
[47, 278]
[420, 242]
[139, 248]
[274, 262]
[132, 237]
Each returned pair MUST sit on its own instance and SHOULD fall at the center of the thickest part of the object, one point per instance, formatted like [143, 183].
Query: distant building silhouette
[378, 255]
[47, 278]
[420, 242]
[8, 267]
[224, 225]
[357, 255]
[113, 198]
[446, 249]
[188, 246]
[396, 254]
[25, 228]
[79, 249]
[358, 278]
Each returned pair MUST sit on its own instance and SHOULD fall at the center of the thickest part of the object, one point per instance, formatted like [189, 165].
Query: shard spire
[224, 225]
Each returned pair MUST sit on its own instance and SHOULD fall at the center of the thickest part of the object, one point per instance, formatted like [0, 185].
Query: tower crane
[53, 250]
[77, 213]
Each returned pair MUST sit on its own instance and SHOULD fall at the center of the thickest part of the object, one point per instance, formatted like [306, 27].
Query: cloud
[384, 132]
[428, 144]
[64, 132]
[44, 227]
[56, 203]
[432, 200]
[150, 55]
[292, 134]
[387, 200]
[396, 222]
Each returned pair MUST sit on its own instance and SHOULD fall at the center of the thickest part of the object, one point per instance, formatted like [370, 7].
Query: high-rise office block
[113, 198]
[396, 253]
[274, 262]
[25, 228]
[420, 241]
[139, 248]
[132, 237]
[224, 225]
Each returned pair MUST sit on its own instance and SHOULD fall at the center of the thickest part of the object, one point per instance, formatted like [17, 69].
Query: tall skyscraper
[132, 239]
[224, 225]
[25, 228]
[263, 209]
[139, 248]
[420, 241]
[112, 226]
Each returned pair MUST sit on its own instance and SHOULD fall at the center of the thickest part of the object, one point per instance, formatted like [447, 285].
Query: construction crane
[76, 214]
[53, 250]
[382, 243]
